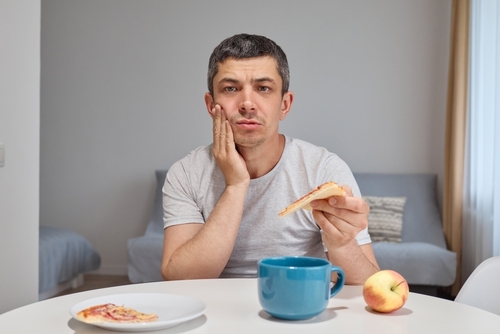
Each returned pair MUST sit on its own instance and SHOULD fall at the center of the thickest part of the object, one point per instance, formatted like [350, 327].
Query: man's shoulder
[196, 158]
[306, 147]
[201, 152]
[306, 154]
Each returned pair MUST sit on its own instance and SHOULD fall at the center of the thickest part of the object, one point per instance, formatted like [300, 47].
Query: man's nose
[246, 103]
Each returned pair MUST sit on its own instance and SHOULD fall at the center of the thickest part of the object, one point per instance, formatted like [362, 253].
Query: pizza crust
[326, 190]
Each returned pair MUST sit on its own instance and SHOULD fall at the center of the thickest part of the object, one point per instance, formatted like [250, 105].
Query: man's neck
[262, 159]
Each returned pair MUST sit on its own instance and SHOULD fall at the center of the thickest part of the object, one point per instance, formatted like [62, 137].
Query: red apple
[385, 291]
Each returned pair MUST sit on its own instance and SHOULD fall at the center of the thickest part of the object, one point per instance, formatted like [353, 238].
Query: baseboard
[111, 269]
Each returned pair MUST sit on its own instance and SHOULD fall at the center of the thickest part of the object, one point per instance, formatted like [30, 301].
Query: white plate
[172, 310]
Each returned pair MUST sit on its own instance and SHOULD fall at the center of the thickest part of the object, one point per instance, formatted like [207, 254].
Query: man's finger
[222, 125]
[347, 189]
[219, 128]
[228, 134]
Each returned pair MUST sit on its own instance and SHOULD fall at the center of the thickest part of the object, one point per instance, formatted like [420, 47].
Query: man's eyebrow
[257, 80]
[264, 79]
[230, 80]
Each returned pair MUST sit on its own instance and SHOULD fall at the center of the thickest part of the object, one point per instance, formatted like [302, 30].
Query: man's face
[249, 92]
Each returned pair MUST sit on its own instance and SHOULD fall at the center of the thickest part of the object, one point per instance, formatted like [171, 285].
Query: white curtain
[481, 209]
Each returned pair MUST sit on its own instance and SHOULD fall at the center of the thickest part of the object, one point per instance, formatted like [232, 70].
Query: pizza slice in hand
[326, 190]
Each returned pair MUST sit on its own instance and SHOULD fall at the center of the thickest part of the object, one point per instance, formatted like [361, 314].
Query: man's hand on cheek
[340, 218]
[224, 150]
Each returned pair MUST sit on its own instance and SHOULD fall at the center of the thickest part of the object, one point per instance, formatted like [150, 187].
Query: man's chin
[249, 142]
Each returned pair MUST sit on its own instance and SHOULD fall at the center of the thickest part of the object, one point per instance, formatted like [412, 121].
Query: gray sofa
[421, 257]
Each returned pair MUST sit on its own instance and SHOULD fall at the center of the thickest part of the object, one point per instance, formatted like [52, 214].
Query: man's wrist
[239, 186]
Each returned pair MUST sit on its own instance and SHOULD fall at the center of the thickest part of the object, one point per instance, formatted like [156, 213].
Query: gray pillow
[385, 220]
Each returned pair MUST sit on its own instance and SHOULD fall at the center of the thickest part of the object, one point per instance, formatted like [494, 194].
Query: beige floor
[92, 281]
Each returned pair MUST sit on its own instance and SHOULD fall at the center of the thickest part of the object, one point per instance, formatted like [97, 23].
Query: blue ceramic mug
[296, 287]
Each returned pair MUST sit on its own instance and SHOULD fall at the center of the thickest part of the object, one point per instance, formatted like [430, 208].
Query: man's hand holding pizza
[340, 218]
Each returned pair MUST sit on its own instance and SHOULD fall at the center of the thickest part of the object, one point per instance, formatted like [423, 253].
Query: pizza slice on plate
[326, 190]
[113, 313]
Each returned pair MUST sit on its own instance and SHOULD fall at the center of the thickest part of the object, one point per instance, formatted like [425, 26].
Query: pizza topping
[114, 313]
[326, 190]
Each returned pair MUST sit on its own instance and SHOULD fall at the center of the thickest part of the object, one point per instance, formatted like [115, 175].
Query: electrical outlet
[2, 154]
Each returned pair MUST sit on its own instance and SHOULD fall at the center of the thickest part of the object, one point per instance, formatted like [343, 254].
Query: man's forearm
[206, 254]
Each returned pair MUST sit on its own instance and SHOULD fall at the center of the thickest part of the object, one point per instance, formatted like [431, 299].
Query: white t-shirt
[194, 184]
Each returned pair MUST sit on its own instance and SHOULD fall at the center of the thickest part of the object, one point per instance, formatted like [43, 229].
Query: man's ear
[209, 102]
[286, 104]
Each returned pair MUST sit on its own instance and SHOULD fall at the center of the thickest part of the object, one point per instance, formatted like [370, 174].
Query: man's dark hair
[248, 46]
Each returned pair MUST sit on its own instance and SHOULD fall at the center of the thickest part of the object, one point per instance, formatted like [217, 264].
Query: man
[221, 202]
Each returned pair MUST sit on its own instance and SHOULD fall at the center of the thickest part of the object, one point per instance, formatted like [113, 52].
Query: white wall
[123, 82]
[20, 133]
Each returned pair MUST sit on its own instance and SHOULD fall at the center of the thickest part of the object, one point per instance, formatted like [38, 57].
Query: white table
[233, 307]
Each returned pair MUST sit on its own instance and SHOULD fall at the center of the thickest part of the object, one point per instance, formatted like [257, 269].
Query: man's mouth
[247, 124]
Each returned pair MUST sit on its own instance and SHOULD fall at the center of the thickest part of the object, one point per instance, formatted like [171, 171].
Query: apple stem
[392, 289]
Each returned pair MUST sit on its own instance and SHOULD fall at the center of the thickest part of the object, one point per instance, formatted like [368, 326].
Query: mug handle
[340, 281]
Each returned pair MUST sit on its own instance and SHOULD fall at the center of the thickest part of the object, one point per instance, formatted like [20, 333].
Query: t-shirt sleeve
[179, 201]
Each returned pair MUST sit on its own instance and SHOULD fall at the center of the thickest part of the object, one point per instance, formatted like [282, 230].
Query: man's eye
[230, 89]
[264, 88]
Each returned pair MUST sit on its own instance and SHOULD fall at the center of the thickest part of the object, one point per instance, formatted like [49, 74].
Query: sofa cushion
[385, 220]
[155, 224]
[420, 263]
[144, 258]
[145, 252]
